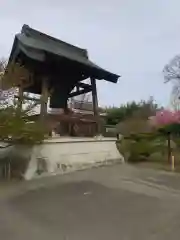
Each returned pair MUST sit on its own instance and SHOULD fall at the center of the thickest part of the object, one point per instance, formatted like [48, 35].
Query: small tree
[137, 121]
[14, 120]
[119, 114]
[137, 132]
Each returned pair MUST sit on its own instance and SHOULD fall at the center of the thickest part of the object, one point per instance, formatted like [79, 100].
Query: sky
[132, 38]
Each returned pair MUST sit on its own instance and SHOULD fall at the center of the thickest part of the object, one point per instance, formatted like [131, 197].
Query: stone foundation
[62, 155]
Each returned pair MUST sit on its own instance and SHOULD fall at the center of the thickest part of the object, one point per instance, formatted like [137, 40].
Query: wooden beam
[83, 91]
[30, 98]
[83, 85]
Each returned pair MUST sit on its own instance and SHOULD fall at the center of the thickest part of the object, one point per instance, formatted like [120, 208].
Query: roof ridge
[30, 31]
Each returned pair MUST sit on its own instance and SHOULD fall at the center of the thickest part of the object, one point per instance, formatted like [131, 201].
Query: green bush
[156, 157]
[134, 151]
[140, 147]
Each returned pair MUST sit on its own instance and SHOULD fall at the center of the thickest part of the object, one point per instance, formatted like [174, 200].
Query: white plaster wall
[64, 155]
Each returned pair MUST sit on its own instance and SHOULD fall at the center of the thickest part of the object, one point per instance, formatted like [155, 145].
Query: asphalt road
[118, 202]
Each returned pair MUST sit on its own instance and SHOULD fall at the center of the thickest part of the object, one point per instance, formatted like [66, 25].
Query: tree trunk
[169, 147]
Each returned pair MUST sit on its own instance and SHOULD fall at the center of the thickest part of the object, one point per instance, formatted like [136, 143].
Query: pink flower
[165, 117]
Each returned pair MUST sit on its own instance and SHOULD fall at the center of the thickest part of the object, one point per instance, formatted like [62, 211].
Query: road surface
[118, 202]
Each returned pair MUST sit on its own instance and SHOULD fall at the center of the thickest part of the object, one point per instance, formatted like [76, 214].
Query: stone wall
[61, 155]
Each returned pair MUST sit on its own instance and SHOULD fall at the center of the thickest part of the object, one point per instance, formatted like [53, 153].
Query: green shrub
[156, 157]
[134, 151]
[140, 147]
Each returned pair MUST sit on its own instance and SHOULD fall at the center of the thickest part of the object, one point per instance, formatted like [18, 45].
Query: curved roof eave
[35, 44]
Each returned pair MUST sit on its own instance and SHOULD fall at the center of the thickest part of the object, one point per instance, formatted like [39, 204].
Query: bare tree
[3, 63]
[171, 73]
[172, 69]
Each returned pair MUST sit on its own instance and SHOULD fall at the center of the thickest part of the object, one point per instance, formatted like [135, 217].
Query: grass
[135, 153]
[160, 162]
[157, 166]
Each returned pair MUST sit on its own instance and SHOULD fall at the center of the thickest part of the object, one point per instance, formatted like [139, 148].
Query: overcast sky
[133, 38]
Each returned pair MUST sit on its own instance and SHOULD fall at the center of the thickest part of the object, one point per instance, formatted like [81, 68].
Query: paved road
[118, 202]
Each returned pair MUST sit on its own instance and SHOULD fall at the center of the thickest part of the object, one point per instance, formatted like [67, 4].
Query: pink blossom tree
[169, 123]
[164, 118]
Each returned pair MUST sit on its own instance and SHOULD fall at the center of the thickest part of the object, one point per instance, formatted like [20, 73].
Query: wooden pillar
[94, 96]
[95, 103]
[20, 97]
[44, 98]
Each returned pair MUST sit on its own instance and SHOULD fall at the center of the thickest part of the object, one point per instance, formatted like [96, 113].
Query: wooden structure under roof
[57, 68]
